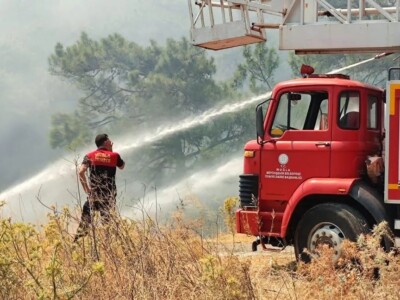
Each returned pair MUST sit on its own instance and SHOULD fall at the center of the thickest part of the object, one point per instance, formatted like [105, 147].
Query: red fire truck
[315, 175]
[325, 164]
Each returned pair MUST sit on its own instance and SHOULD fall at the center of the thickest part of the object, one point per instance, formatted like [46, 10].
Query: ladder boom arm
[305, 26]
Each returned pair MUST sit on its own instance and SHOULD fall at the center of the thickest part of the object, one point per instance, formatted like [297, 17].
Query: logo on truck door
[283, 159]
[283, 172]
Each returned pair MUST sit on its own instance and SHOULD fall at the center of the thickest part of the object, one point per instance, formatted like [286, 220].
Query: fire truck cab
[305, 178]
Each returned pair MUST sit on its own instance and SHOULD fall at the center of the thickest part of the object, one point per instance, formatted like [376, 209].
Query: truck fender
[365, 195]
[321, 186]
[371, 200]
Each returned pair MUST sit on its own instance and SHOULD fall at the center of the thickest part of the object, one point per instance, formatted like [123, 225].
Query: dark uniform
[102, 165]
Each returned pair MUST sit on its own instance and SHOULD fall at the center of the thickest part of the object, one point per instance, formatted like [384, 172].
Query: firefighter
[101, 189]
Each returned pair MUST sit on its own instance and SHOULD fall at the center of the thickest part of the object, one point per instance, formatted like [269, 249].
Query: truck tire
[330, 224]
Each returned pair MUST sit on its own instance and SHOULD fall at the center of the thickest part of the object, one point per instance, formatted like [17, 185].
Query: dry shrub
[363, 271]
[130, 259]
[273, 275]
[126, 259]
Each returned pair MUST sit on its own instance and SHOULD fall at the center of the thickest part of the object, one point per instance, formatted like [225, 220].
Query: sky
[29, 95]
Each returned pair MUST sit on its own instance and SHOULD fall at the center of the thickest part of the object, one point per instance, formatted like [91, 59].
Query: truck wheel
[329, 224]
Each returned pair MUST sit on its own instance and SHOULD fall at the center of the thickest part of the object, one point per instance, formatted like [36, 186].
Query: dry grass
[144, 260]
[364, 271]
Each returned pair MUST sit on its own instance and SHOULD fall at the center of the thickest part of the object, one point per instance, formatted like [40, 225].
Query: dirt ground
[241, 245]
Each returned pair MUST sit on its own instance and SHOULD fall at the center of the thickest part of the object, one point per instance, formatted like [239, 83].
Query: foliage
[259, 67]
[124, 82]
[230, 206]
[69, 131]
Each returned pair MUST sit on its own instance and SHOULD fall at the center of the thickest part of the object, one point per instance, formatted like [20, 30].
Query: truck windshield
[306, 110]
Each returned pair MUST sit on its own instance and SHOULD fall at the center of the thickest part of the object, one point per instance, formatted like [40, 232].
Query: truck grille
[248, 190]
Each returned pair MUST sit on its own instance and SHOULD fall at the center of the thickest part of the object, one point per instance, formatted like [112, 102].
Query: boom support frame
[305, 26]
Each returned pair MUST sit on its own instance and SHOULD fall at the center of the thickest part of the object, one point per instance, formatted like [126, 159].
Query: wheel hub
[327, 234]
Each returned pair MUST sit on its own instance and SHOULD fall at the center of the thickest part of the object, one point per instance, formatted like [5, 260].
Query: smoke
[29, 95]
[209, 187]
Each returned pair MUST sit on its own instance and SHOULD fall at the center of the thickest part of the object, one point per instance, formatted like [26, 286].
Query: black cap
[100, 139]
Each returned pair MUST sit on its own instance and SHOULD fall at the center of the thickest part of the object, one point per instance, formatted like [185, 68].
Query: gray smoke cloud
[29, 95]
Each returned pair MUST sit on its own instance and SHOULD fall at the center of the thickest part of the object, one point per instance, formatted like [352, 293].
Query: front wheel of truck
[327, 224]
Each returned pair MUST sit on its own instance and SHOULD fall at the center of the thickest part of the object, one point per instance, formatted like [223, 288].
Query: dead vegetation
[132, 259]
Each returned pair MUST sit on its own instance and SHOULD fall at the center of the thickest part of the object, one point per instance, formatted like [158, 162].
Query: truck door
[299, 140]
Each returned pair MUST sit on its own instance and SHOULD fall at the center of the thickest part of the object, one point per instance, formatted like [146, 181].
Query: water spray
[59, 168]
[360, 63]
[193, 122]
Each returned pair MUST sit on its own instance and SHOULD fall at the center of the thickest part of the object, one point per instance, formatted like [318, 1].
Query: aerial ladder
[305, 26]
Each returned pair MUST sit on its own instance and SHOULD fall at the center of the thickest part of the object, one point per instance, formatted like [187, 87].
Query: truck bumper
[253, 222]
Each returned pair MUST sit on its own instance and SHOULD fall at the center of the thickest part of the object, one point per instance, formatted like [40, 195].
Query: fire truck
[325, 164]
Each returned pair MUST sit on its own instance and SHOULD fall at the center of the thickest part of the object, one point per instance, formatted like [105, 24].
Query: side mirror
[260, 124]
